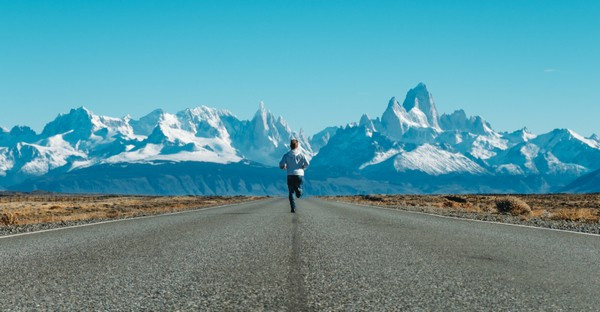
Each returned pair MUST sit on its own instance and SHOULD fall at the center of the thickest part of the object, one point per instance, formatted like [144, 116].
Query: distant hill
[589, 183]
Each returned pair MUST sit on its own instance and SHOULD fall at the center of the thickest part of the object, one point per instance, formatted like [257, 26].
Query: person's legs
[299, 186]
[291, 188]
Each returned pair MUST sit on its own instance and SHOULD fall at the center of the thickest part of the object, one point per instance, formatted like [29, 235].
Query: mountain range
[410, 148]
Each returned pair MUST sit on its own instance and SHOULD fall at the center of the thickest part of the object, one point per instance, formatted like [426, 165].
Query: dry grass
[576, 214]
[569, 207]
[19, 209]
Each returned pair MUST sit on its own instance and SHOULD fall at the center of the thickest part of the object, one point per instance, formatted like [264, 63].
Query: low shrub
[379, 198]
[512, 205]
[456, 199]
[8, 218]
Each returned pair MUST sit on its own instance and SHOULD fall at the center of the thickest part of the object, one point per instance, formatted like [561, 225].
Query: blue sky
[317, 63]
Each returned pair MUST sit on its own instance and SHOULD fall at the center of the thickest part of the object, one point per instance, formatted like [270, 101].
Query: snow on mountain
[416, 120]
[419, 97]
[322, 138]
[460, 145]
[99, 137]
[204, 121]
[420, 136]
[81, 125]
[366, 122]
[396, 120]
[459, 121]
[207, 134]
[560, 152]
[50, 153]
[6, 163]
[191, 135]
[570, 147]
[519, 136]
[351, 149]
[80, 139]
[265, 138]
[479, 146]
[380, 157]
[145, 125]
[435, 161]
[400, 151]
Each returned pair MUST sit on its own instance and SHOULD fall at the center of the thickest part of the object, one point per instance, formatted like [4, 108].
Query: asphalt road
[327, 256]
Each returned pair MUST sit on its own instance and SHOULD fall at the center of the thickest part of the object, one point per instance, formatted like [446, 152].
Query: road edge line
[129, 219]
[468, 219]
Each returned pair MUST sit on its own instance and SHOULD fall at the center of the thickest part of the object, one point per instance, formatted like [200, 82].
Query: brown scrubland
[566, 207]
[26, 208]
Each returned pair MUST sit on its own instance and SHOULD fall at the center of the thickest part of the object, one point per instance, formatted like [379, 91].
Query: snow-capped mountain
[81, 139]
[410, 142]
[411, 147]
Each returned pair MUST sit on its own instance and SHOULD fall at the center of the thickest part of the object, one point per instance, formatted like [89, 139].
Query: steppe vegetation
[24, 208]
[584, 208]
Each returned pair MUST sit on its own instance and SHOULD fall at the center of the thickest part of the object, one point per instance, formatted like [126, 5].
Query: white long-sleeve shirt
[295, 162]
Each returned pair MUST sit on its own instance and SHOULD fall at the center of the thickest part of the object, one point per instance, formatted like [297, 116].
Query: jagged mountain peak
[393, 103]
[419, 97]
[22, 131]
[204, 121]
[367, 123]
[82, 109]
[409, 140]
[205, 111]
[264, 116]
[562, 136]
[459, 113]
[282, 121]
[77, 119]
[82, 122]
[521, 135]
[526, 132]
[146, 124]
[459, 121]
[156, 112]
[261, 106]
[364, 119]
[396, 120]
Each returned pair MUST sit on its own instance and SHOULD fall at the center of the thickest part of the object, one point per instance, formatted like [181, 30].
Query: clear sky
[317, 63]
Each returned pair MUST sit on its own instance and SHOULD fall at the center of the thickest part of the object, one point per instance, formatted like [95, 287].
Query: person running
[295, 163]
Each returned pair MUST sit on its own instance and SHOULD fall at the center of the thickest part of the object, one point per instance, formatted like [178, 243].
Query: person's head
[294, 144]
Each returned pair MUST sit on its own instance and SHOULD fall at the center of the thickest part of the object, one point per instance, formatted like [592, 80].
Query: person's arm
[282, 163]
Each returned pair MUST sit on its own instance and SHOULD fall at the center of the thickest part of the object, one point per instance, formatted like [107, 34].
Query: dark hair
[293, 144]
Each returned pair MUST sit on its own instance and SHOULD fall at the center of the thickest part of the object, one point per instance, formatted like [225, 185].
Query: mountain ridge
[410, 142]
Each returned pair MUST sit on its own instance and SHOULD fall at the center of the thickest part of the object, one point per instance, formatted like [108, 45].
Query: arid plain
[18, 209]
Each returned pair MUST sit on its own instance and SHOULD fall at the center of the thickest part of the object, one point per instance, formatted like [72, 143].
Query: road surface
[328, 256]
